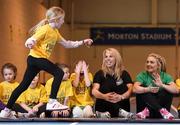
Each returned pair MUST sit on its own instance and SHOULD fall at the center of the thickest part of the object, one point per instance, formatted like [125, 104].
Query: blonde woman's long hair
[160, 60]
[118, 68]
[52, 13]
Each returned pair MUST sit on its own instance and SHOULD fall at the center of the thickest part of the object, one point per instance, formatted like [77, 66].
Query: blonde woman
[154, 89]
[112, 86]
[43, 38]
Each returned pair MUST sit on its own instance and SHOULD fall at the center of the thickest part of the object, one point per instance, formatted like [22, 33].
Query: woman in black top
[112, 85]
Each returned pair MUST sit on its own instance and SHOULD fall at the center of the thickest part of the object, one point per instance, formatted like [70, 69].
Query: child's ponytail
[41, 23]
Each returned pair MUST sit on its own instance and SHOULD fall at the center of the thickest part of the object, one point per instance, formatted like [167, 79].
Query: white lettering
[126, 36]
[146, 36]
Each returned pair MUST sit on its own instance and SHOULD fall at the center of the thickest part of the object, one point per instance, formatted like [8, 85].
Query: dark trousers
[17, 108]
[112, 108]
[34, 66]
[154, 102]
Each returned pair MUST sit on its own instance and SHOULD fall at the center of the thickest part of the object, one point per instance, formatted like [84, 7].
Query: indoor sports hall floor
[96, 121]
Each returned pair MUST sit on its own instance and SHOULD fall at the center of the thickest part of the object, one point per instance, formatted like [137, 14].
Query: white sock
[77, 112]
[88, 112]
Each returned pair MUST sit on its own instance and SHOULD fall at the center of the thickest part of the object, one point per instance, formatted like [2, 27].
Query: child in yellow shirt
[9, 72]
[65, 91]
[34, 99]
[82, 101]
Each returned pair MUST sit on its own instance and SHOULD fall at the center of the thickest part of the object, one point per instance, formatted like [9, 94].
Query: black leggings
[34, 66]
[17, 108]
[154, 102]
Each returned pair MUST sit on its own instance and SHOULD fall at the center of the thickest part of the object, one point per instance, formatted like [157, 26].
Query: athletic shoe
[55, 105]
[143, 114]
[165, 114]
[124, 114]
[7, 114]
[103, 114]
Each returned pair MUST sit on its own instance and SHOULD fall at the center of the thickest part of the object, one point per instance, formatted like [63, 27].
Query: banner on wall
[133, 36]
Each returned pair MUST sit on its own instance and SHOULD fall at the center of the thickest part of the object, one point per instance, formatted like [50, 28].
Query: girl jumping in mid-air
[41, 43]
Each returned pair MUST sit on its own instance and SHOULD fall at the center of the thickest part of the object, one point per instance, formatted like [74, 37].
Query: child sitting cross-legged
[65, 91]
[33, 100]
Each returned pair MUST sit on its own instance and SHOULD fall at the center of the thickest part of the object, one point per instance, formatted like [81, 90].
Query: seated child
[9, 72]
[34, 99]
[65, 91]
[82, 102]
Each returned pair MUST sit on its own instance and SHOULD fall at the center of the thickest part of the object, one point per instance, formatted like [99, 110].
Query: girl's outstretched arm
[75, 44]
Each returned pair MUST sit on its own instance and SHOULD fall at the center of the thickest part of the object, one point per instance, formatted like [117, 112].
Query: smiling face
[109, 59]
[8, 74]
[152, 65]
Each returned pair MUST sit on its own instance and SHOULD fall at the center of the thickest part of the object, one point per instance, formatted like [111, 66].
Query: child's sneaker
[6, 113]
[143, 114]
[103, 114]
[124, 114]
[165, 114]
[55, 105]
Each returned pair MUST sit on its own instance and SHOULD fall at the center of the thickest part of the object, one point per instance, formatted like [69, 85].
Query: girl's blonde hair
[118, 68]
[160, 60]
[52, 13]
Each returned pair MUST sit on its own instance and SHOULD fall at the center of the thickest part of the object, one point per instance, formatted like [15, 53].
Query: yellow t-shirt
[32, 97]
[7, 89]
[1, 90]
[65, 90]
[46, 38]
[178, 83]
[82, 94]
